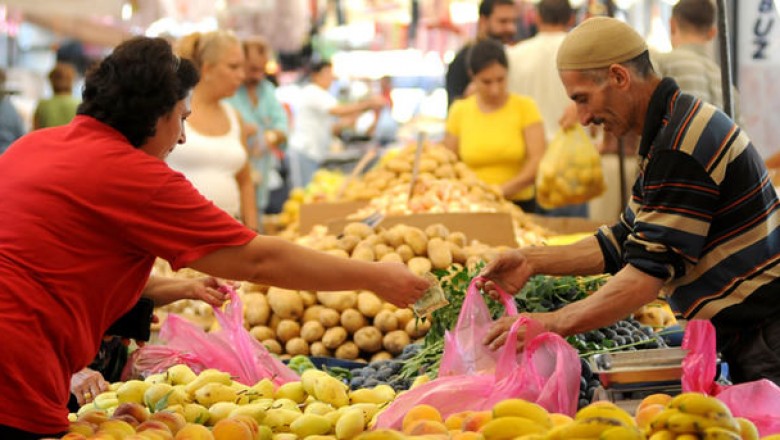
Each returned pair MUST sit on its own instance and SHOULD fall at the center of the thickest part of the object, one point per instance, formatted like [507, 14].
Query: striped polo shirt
[703, 215]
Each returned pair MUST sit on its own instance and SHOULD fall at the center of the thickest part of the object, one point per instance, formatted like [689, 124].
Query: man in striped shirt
[701, 225]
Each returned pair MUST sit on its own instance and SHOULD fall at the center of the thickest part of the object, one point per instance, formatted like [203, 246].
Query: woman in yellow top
[498, 134]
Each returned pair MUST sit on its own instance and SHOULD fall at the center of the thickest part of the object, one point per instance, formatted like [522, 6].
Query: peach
[647, 413]
[229, 429]
[96, 417]
[174, 421]
[127, 418]
[74, 436]
[467, 435]
[118, 427]
[455, 420]
[134, 410]
[427, 427]
[192, 431]
[652, 399]
[477, 420]
[420, 412]
[82, 427]
[152, 424]
[250, 423]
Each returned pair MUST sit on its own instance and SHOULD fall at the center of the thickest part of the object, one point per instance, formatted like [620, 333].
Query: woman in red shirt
[86, 208]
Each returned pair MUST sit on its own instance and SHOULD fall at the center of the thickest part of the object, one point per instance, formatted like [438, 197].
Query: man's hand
[510, 271]
[499, 331]
[399, 285]
[86, 385]
[569, 118]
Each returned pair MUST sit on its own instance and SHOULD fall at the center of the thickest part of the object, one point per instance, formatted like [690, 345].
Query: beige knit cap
[599, 42]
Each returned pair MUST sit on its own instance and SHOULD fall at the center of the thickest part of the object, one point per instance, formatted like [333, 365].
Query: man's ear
[619, 76]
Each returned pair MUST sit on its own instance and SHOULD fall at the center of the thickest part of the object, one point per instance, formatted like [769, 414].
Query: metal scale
[628, 377]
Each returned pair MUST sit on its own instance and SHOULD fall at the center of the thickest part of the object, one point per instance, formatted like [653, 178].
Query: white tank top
[211, 163]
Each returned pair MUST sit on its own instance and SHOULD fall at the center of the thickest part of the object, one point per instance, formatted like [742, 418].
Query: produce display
[179, 404]
[443, 185]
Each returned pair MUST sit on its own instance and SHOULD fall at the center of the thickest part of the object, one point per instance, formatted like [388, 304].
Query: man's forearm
[623, 294]
[581, 258]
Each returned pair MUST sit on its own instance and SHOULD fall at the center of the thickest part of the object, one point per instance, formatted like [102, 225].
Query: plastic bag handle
[506, 299]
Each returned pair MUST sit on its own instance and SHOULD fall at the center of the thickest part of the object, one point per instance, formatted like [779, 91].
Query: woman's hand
[207, 289]
[510, 271]
[399, 286]
[86, 385]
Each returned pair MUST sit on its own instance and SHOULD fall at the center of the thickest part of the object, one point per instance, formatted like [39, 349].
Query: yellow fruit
[701, 404]
[220, 411]
[692, 423]
[205, 377]
[350, 424]
[419, 380]
[156, 378]
[181, 374]
[330, 390]
[214, 392]
[718, 433]
[509, 427]
[587, 428]
[318, 408]
[310, 424]
[381, 434]
[605, 410]
[196, 413]
[522, 408]
[263, 389]
[279, 420]
[156, 393]
[560, 419]
[663, 435]
[747, 430]
[132, 391]
[622, 433]
[253, 410]
[309, 377]
[291, 390]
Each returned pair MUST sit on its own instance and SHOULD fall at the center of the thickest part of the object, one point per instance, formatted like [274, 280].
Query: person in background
[384, 128]
[61, 107]
[118, 207]
[497, 20]
[265, 117]
[216, 160]
[692, 28]
[318, 118]
[496, 133]
[701, 224]
[532, 72]
[11, 125]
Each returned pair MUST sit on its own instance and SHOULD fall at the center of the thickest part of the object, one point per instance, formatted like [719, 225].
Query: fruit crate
[651, 366]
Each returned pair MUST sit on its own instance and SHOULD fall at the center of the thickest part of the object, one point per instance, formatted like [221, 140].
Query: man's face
[598, 101]
[501, 24]
[169, 131]
[255, 62]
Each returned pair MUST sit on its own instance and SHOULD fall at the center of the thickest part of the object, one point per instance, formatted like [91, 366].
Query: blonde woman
[215, 157]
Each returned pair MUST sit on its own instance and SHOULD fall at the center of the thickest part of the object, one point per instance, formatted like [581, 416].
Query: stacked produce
[443, 185]
[182, 404]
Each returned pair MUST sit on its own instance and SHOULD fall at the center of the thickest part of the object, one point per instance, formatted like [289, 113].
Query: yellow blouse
[492, 144]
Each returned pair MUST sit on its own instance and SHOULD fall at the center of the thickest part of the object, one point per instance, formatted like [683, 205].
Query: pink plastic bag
[757, 401]
[231, 349]
[546, 372]
[152, 359]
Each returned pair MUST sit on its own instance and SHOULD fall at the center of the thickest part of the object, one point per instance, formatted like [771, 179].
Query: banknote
[432, 299]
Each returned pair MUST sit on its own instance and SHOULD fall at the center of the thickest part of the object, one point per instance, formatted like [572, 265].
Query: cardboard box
[566, 225]
[312, 214]
[492, 228]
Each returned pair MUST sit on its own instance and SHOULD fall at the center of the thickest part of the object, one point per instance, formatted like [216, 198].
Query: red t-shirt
[82, 216]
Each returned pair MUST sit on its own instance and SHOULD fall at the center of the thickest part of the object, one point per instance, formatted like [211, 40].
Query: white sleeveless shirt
[211, 163]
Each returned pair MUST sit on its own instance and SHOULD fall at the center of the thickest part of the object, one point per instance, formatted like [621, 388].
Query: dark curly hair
[137, 84]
